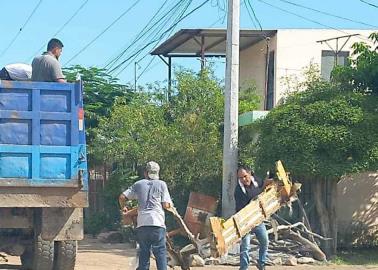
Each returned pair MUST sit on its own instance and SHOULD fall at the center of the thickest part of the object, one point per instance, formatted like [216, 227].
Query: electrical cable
[165, 32]
[328, 14]
[103, 31]
[111, 63]
[254, 13]
[250, 14]
[61, 28]
[368, 3]
[157, 40]
[137, 52]
[310, 20]
[153, 57]
[147, 45]
[21, 28]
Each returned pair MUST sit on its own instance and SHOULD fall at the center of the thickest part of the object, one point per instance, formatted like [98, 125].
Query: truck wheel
[43, 257]
[40, 256]
[65, 255]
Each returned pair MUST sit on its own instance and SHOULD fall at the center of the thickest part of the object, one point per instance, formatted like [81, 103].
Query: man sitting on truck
[16, 72]
[46, 67]
[248, 188]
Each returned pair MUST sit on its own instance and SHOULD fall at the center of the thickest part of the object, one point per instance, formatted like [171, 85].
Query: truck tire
[65, 255]
[40, 256]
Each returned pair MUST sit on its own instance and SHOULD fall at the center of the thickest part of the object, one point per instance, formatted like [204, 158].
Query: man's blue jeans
[262, 237]
[152, 238]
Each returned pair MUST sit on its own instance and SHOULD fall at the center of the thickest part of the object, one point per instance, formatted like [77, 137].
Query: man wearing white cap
[153, 196]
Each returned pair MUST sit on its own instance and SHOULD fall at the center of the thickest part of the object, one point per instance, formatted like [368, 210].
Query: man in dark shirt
[248, 188]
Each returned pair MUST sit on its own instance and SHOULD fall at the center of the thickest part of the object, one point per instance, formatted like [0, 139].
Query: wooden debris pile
[289, 244]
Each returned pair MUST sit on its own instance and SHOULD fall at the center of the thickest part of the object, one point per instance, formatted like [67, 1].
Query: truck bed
[42, 144]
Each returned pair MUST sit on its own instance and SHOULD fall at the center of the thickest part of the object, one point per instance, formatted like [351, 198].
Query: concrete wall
[297, 48]
[253, 66]
[358, 209]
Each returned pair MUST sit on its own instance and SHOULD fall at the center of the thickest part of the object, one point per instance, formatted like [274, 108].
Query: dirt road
[94, 255]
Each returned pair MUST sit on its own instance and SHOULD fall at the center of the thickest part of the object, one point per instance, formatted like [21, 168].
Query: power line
[137, 38]
[157, 40]
[21, 28]
[103, 31]
[163, 20]
[152, 67]
[327, 13]
[156, 34]
[221, 5]
[61, 28]
[153, 57]
[368, 3]
[220, 19]
[151, 42]
[162, 23]
[174, 22]
[310, 20]
[146, 68]
[250, 14]
[254, 13]
[300, 16]
[111, 63]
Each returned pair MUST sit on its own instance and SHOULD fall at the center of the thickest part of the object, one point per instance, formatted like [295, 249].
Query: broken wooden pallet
[227, 233]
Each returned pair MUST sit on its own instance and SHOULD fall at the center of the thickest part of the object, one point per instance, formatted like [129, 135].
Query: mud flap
[62, 224]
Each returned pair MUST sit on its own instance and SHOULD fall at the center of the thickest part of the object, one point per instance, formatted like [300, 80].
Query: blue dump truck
[43, 172]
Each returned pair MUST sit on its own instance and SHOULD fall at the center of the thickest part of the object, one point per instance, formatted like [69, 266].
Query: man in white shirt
[153, 197]
[16, 72]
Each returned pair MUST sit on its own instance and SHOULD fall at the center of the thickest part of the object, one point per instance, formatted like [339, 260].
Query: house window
[329, 62]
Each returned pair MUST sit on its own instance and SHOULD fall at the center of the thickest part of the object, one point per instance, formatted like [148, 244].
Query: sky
[96, 32]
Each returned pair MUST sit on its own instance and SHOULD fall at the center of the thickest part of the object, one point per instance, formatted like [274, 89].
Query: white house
[268, 56]
[290, 52]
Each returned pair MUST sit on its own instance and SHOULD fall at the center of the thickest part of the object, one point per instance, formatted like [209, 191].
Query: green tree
[182, 135]
[100, 92]
[196, 112]
[249, 100]
[362, 74]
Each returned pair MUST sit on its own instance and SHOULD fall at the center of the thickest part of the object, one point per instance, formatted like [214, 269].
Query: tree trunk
[325, 198]
[333, 214]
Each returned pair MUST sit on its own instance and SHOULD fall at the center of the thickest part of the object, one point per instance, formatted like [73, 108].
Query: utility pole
[231, 109]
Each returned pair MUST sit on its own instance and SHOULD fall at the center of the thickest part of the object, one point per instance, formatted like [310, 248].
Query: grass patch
[357, 257]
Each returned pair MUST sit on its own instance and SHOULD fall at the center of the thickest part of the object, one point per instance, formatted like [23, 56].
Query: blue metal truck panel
[42, 136]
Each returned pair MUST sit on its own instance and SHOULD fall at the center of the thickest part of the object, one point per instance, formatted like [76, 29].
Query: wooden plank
[237, 226]
[218, 246]
[282, 175]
